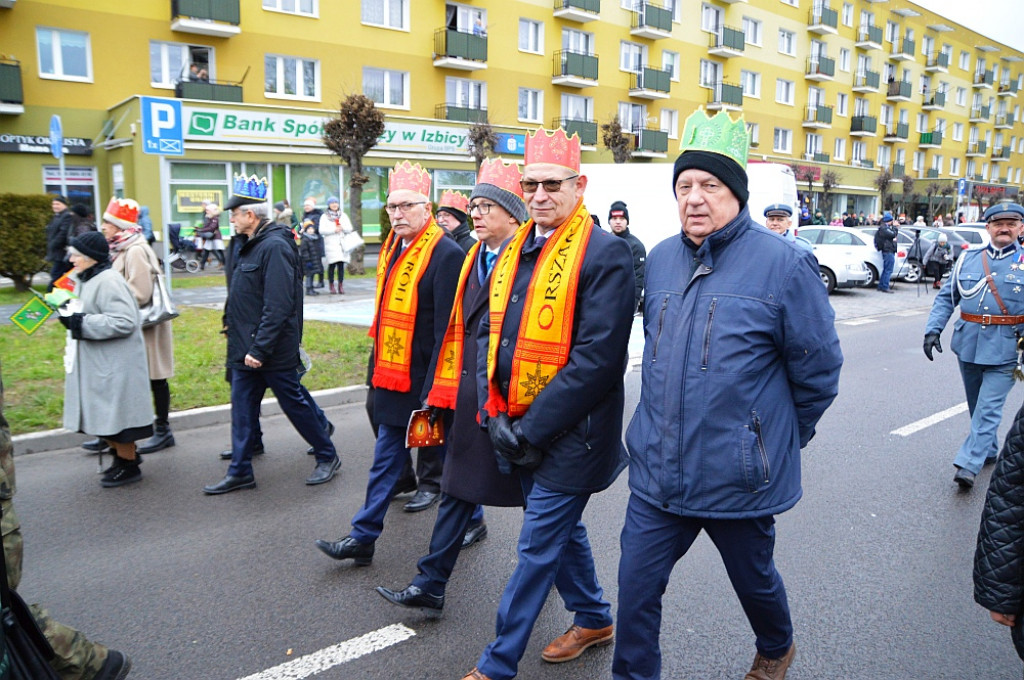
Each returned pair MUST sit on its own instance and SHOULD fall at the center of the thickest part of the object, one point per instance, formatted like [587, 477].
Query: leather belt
[992, 319]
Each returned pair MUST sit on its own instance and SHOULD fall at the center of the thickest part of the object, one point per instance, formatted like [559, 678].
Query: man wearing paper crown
[452, 211]
[553, 348]
[471, 472]
[741, 359]
[263, 323]
[417, 273]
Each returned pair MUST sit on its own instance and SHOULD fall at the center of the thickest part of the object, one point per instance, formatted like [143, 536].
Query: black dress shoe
[414, 598]
[258, 451]
[407, 485]
[324, 472]
[162, 439]
[474, 534]
[230, 483]
[965, 478]
[95, 445]
[421, 501]
[347, 548]
[330, 433]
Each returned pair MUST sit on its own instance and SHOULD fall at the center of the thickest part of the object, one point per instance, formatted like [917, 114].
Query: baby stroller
[183, 250]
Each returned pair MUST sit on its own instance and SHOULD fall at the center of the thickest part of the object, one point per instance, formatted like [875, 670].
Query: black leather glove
[73, 322]
[503, 438]
[931, 340]
[437, 413]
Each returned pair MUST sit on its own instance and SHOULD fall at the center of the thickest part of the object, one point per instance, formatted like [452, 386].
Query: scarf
[545, 330]
[445, 387]
[394, 318]
[333, 215]
[122, 240]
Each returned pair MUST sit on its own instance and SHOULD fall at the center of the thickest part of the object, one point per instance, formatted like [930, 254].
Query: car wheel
[827, 278]
[914, 272]
[872, 276]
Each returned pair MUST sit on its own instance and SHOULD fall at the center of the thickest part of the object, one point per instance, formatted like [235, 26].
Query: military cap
[778, 210]
[1004, 211]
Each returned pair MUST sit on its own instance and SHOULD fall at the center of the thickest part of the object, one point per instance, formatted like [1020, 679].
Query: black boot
[124, 472]
[162, 439]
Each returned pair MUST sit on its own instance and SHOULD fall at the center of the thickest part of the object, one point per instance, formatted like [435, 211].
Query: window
[64, 55]
[465, 93]
[531, 105]
[531, 36]
[575, 107]
[752, 31]
[754, 130]
[840, 150]
[965, 60]
[387, 88]
[632, 117]
[847, 14]
[901, 157]
[676, 7]
[958, 132]
[861, 107]
[670, 122]
[922, 122]
[710, 73]
[386, 13]
[892, 31]
[918, 161]
[815, 96]
[579, 42]
[858, 151]
[632, 57]
[784, 91]
[794, 3]
[844, 59]
[812, 143]
[885, 115]
[883, 157]
[670, 63]
[783, 141]
[303, 7]
[751, 83]
[954, 167]
[787, 42]
[970, 166]
[171, 62]
[927, 46]
[961, 96]
[465, 19]
[291, 77]
[937, 163]
[842, 103]
[710, 18]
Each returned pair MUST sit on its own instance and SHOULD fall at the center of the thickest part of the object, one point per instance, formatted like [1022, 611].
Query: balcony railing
[866, 81]
[462, 114]
[903, 49]
[651, 141]
[1000, 152]
[933, 101]
[933, 173]
[650, 80]
[977, 178]
[578, 10]
[10, 82]
[226, 11]
[1008, 89]
[651, 21]
[899, 89]
[863, 125]
[569, 65]
[586, 129]
[980, 114]
[983, 79]
[728, 42]
[897, 131]
[725, 95]
[208, 90]
[818, 114]
[979, 148]
[869, 37]
[816, 156]
[822, 19]
[931, 138]
[898, 170]
[937, 61]
[862, 163]
[1004, 120]
[820, 68]
[451, 44]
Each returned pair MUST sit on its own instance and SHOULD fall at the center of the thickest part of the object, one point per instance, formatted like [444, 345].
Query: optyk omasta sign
[73, 146]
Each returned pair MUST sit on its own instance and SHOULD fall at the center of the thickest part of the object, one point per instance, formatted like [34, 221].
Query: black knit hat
[619, 209]
[92, 244]
[722, 167]
[60, 199]
[80, 209]
[454, 212]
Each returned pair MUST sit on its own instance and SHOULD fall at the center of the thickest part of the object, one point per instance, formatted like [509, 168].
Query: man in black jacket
[618, 220]
[263, 320]
[885, 243]
[59, 231]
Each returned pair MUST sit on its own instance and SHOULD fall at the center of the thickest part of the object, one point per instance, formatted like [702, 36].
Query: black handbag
[27, 650]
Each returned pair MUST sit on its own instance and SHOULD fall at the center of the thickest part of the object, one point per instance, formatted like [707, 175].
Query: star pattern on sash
[393, 346]
[534, 382]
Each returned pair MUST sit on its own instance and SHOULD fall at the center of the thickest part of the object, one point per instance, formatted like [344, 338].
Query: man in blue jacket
[741, 359]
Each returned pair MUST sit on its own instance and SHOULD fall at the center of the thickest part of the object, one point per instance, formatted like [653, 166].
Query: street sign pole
[57, 149]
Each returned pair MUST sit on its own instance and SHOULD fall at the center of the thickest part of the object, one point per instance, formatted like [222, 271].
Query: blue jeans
[986, 388]
[652, 542]
[888, 262]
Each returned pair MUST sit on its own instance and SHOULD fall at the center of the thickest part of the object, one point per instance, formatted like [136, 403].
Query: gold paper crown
[716, 134]
[453, 199]
[409, 176]
[546, 146]
[501, 174]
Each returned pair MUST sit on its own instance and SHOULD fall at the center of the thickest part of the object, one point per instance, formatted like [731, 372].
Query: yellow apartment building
[162, 100]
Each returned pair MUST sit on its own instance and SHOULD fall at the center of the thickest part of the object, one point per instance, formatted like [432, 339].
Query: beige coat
[138, 265]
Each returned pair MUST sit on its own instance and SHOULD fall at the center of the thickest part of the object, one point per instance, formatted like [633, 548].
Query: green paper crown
[717, 134]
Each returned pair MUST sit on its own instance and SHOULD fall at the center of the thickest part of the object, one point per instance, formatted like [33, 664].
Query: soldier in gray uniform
[988, 284]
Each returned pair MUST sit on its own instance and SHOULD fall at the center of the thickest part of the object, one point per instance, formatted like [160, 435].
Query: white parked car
[975, 233]
[842, 255]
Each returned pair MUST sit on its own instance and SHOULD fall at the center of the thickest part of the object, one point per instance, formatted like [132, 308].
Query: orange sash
[545, 330]
[394, 317]
[449, 362]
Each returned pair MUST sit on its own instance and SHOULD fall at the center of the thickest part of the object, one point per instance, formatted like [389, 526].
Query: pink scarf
[122, 240]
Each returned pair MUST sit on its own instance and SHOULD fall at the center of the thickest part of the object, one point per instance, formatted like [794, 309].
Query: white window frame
[787, 38]
[388, 22]
[842, 104]
[961, 96]
[858, 151]
[571, 101]
[712, 18]
[632, 60]
[954, 166]
[892, 32]
[921, 122]
[710, 73]
[632, 116]
[534, 101]
[847, 15]
[580, 42]
[786, 137]
[388, 75]
[840, 149]
[918, 161]
[754, 131]
[299, 76]
[753, 78]
[813, 143]
[534, 37]
[883, 156]
[844, 59]
[670, 122]
[670, 59]
[276, 7]
[958, 132]
[465, 93]
[786, 88]
[57, 56]
[791, 3]
[752, 26]
[172, 79]
[965, 60]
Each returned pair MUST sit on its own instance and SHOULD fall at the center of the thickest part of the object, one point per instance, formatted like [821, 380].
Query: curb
[54, 440]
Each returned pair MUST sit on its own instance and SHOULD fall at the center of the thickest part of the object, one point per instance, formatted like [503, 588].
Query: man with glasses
[417, 274]
[554, 350]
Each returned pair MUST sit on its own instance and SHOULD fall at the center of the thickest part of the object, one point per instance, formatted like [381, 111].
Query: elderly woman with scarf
[134, 259]
[210, 233]
[105, 390]
[334, 224]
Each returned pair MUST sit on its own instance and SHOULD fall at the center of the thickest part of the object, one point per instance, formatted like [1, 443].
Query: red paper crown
[545, 146]
[409, 176]
[501, 174]
[122, 212]
[453, 199]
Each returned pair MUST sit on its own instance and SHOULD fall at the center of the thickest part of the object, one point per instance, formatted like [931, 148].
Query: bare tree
[908, 191]
[829, 181]
[617, 141]
[947, 191]
[482, 141]
[882, 184]
[350, 136]
[931, 191]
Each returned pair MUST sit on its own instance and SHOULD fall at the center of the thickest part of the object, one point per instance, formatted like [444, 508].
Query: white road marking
[910, 312]
[343, 652]
[858, 322]
[910, 429]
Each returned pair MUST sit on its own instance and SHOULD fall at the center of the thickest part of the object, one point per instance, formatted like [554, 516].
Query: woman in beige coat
[134, 260]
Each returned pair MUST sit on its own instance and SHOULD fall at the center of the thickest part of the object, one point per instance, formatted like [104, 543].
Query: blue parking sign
[162, 128]
[961, 186]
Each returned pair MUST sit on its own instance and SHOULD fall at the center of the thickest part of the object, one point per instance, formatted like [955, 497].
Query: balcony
[1008, 89]
[460, 114]
[580, 11]
[863, 126]
[975, 149]
[938, 62]
[818, 116]
[725, 97]
[932, 173]
[823, 20]
[866, 82]
[586, 129]
[1000, 153]
[978, 178]
[458, 50]
[816, 157]
[862, 163]
[729, 42]
[649, 83]
[208, 90]
[897, 132]
[935, 102]
[903, 50]
[899, 91]
[983, 80]
[898, 170]
[651, 21]
[931, 140]
[12, 99]
[1004, 121]
[574, 69]
[217, 18]
[820, 68]
[869, 37]
[650, 143]
[980, 114]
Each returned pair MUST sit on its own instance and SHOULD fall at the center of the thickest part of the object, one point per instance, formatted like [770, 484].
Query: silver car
[842, 255]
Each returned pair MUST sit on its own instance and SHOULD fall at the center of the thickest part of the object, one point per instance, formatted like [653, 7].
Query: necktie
[489, 259]
[538, 242]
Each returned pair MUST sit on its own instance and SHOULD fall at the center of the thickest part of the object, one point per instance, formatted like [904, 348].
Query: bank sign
[292, 129]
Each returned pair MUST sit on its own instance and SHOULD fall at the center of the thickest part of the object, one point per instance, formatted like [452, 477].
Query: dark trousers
[161, 400]
[336, 267]
[652, 542]
[453, 518]
[247, 390]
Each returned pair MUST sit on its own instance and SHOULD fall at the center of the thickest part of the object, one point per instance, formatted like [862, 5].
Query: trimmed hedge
[23, 220]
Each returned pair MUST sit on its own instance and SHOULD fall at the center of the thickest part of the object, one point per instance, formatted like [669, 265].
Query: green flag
[31, 315]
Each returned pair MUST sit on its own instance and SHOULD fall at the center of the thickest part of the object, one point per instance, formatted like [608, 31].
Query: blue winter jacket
[741, 359]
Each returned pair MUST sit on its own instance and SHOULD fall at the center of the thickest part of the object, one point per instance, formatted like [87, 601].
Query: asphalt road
[877, 556]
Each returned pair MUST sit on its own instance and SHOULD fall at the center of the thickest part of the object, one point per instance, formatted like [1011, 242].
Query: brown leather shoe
[475, 675]
[771, 669]
[575, 641]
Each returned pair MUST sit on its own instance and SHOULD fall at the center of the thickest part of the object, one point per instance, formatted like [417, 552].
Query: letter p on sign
[162, 127]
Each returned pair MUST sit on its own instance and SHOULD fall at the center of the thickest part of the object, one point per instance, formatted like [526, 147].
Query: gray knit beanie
[506, 199]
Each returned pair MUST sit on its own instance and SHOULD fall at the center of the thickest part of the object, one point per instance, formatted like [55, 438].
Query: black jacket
[639, 262]
[463, 235]
[59, 231]
[885, 238]
[263, 313]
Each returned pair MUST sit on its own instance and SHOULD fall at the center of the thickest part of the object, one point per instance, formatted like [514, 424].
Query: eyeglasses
[402, 207]
[482, 208]
[550, 185]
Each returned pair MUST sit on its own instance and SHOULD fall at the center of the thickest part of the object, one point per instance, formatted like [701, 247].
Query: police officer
[778, 217]
[988, 284]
